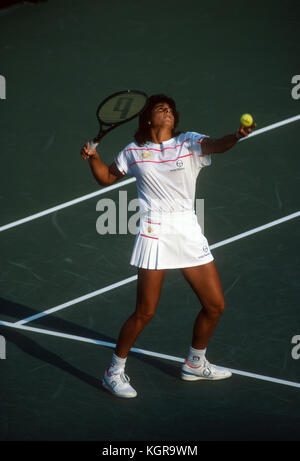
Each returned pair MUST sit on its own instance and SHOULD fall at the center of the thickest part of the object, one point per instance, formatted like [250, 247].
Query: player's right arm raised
[105, 175]
[220, 145]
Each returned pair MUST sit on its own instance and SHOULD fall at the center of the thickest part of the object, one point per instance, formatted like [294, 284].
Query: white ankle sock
[196, 357]
[117, 363]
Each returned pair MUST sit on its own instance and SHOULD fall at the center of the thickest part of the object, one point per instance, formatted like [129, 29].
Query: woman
[166, 164]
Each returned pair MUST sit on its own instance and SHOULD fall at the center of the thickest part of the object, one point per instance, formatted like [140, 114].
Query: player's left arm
[220, 145]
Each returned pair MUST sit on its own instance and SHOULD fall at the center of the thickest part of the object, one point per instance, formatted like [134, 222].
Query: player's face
[162, 115]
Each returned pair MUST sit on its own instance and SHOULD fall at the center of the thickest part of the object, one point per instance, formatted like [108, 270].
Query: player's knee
[144, 315]
[216, 307]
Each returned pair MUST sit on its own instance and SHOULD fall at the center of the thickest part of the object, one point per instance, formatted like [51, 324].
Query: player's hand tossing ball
[247, 126]
[246, 120]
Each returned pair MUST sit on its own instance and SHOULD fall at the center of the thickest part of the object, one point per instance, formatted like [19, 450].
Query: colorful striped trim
[159, 150]
[163, 161]
[148, 236]
[151, 222]
[191, 365]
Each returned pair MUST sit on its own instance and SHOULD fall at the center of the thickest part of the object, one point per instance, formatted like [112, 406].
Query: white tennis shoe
[118, 384]
[205, 371]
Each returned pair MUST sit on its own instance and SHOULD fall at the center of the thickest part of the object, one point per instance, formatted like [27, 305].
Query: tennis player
[166, 164]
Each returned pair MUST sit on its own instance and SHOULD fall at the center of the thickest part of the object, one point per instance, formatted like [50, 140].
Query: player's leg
[205, 282]
[149, 286]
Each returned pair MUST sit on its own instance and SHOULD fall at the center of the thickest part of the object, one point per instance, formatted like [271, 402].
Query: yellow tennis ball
[246, 120]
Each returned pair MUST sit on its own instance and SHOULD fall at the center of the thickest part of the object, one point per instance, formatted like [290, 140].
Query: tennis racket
[118, 108]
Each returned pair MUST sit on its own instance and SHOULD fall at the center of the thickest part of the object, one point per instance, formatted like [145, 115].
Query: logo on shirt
[146, 154]
[179, 165]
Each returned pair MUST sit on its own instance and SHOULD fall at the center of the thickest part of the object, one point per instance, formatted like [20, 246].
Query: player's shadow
[51, 322]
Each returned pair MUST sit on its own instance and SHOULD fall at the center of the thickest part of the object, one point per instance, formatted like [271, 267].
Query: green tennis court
[66, 290]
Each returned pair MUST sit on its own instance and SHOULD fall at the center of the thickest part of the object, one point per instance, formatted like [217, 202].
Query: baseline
[142, 351]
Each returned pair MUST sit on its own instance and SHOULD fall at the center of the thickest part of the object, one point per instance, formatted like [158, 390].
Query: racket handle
[93, 145]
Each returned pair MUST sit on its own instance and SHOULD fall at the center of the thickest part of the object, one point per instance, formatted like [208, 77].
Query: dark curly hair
[143, 133]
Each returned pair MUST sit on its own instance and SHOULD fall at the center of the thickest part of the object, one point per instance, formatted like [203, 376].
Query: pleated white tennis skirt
[170, 241]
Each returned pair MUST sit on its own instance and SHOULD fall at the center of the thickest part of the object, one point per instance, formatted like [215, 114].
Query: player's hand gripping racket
[117, 109]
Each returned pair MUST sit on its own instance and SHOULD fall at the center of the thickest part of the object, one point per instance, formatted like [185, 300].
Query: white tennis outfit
[169, 236]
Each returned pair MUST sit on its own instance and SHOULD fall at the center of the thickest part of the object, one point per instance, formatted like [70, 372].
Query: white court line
[66, 204]
[272, 127]
[127, 181]
[141, 351]
[77, 300]
[133, 278]
[257, 229]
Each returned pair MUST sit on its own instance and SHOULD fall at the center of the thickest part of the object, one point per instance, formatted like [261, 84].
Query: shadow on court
[34, 349]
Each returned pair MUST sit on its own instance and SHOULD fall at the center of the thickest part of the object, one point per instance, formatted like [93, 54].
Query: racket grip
[93, 145]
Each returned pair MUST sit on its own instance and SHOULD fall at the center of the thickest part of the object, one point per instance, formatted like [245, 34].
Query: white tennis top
[166, 173]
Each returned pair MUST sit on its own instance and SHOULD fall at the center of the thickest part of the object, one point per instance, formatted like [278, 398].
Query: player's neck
[160, 135]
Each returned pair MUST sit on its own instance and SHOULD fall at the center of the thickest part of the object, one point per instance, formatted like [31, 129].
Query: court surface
[66, 290]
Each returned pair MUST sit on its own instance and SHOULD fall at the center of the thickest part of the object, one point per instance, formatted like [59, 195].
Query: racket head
[121, 107]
